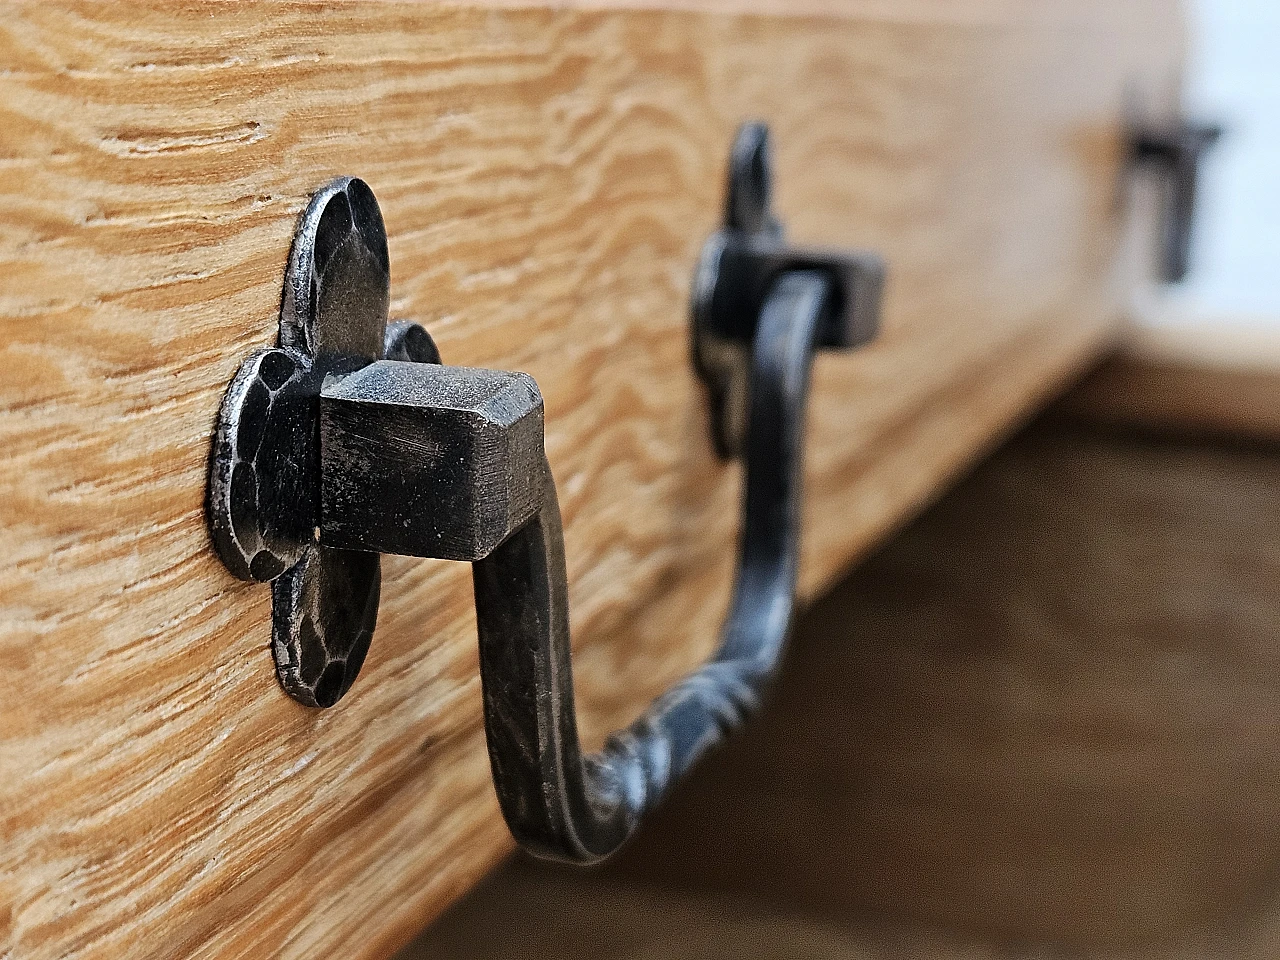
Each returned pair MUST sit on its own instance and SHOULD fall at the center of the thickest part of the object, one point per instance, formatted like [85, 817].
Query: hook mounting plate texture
[263, 503]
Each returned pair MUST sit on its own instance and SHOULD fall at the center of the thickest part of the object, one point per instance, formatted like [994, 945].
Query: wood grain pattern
[547, 177]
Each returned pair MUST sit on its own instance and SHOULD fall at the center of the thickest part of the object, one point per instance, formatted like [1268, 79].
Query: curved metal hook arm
[558, 803]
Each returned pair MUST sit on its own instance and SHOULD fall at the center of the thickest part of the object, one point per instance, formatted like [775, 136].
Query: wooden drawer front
[547, 178]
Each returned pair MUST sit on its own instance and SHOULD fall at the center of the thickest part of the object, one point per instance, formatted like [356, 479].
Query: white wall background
[1235, 78]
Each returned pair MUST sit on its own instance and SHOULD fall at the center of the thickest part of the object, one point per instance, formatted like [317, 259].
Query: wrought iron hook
[558, 803]
[761, 309]
[1176, 150]
[327, 455]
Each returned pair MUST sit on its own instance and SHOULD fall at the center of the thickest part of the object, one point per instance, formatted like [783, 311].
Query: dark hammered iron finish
[760, 310]
[323, 611]
[736, 270]
[264, 479]
[376, 454]
[428, 461]
[562, 805]
[410, 342]
[262, 432]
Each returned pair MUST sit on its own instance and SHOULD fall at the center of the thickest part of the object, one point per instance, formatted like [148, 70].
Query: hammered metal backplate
[264, 480]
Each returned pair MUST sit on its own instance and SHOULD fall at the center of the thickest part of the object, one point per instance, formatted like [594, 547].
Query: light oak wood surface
[547, 177]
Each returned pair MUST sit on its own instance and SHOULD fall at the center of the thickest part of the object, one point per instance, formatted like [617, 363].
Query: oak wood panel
[547, 177]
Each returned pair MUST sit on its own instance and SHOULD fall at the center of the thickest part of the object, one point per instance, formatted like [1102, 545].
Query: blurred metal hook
[1176, 151]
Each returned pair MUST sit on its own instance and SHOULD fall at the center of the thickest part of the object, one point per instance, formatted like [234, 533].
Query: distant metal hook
[1177, 151]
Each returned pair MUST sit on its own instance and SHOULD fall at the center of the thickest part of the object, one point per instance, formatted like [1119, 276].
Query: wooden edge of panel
[1205, 379]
